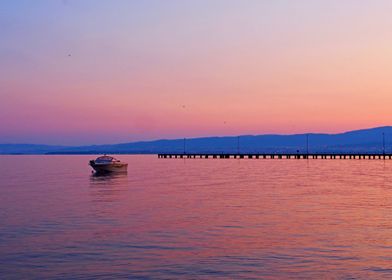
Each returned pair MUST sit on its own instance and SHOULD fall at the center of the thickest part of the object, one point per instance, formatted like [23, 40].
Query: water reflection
[227, 219]
[98, 176]
[107, 187]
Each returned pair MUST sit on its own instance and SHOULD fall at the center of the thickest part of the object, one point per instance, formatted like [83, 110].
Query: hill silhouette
[365, 140]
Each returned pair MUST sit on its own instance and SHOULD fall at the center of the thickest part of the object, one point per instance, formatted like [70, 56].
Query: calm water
[195, 219]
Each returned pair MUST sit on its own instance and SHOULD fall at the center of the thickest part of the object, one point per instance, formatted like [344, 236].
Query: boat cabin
[105, 159]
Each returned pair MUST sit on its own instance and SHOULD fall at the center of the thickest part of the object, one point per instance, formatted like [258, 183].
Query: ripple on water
[195, 219]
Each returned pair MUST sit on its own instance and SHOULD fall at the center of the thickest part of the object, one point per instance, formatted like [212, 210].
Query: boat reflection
[108, 186]
[107, 176]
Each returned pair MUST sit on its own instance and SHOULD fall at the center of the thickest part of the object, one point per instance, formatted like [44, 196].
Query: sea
[195, 219]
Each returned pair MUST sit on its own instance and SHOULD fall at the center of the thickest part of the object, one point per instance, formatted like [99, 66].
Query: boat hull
[108, 168]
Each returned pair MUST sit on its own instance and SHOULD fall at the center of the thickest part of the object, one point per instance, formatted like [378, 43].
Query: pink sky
[84, 72]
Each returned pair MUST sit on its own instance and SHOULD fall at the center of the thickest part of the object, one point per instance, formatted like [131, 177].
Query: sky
[93, 72]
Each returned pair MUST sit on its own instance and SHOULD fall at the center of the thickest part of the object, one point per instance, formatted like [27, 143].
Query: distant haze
[359, 141]
[81, 72]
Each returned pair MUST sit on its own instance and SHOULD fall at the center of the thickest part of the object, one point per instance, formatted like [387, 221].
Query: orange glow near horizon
[192, 69]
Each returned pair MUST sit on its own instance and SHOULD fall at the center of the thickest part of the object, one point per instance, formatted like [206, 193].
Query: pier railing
[277, 156]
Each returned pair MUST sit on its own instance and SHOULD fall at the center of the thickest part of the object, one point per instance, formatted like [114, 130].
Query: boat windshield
[104, 159]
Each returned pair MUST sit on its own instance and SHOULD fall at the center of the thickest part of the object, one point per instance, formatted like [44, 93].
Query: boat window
[104, 159]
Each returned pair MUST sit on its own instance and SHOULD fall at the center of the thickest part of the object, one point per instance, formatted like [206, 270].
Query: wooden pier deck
[277, 156]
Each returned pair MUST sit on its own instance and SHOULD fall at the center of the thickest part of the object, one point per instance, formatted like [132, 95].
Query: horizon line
[203, 137]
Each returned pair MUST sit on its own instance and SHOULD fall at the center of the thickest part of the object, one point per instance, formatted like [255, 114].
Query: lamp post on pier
[307, 144]
[383, 144]
[238, 145]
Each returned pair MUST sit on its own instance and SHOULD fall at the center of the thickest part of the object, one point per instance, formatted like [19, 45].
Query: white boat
[105, 164]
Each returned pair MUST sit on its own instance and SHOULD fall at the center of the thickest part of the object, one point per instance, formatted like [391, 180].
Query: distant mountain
[366, 140]
[26, 149]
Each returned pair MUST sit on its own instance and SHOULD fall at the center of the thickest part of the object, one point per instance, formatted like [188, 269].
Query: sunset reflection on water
[195, 218]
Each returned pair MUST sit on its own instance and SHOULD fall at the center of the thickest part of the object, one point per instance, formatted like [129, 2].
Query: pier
[276, 156]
